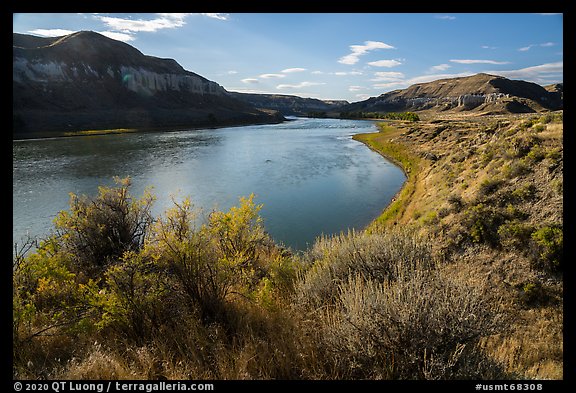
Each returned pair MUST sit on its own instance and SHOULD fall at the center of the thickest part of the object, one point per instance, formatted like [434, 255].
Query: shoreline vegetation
[107, 131]
[459, 278]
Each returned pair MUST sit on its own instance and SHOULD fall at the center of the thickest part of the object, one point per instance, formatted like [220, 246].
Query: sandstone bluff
[87, 81]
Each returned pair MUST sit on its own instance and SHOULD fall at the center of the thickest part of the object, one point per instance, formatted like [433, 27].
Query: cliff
[87, 81]
[290, 105]
[482, 93]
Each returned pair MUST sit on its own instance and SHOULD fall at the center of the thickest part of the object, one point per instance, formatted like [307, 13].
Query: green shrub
[489, 186]
[515, 234]
[548, 247]
[524, 192]
[482, 222]
[515, 168]
[96, 232]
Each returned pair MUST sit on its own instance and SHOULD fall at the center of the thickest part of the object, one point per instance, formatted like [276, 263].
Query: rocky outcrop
[481, 92]
[87, 81]
[290, 105]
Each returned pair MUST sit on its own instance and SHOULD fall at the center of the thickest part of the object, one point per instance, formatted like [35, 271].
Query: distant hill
[482, 93]
[88, 81]
[290, 105]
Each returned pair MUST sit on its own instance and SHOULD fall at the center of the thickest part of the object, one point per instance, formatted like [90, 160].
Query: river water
[311, 177]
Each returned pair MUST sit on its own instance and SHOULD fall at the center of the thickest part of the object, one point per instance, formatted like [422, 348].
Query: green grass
[100, 132]
[383, 143]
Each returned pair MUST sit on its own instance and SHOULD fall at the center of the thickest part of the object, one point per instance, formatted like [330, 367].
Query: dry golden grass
[472, 153]
[430, 291]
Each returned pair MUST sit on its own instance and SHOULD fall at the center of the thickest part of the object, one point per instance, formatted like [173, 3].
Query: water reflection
[310, 175]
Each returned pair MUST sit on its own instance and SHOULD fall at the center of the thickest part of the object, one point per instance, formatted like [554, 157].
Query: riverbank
[277, 119]
[383, 143]
[488, 190]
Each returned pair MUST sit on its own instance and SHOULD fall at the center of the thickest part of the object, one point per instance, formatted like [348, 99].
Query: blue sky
[350, 56]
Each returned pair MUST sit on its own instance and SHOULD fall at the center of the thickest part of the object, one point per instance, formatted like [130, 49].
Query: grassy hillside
[458, 279]
[489, 192]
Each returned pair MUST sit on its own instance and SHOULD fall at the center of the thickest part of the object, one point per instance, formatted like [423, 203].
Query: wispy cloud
[538, 74]
[544, 45]
[363, 96]
[440, 67]
[123, 29]
[51, 32]
[249, 80]
[269, 76]
[387, 76]
[162, 21]
[476, 61]
[291, 70]
[232, 72]
[359, 50]
[299, 85]
[488, 47]
[385, 63]
[541, 74]
[356, 88]
[445, 17]
[216, 15]
[418, 79]
[115, 35]
[344, 73]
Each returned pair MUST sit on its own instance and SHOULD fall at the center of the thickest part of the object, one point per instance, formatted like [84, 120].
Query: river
[311, 177]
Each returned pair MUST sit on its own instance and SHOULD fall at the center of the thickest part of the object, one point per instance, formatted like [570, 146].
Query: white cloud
[317, 72]
[488, 47]
[344, 73]
[216, 15]
[124, 37]
[390, 85]
[249, 80]
[385, 63]
[51, 32]
[359, 50]
[541, 74]
[299, 85]
[363, 96]
[232, 72]
[475, 61]
[268, 76]
[387, 76]
[544, 45]
[440, 67]
[356, 88]
[163, 21]
[445, 17]
[418, 79]
[537, 74]
[290, 70]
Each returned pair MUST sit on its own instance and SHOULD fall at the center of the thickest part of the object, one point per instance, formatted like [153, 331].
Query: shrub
[482, 223]
[515, 234]
[378, 257]
[515, 168]
[421, 326]
[96, 232]
[489, 186]
[548, 247]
